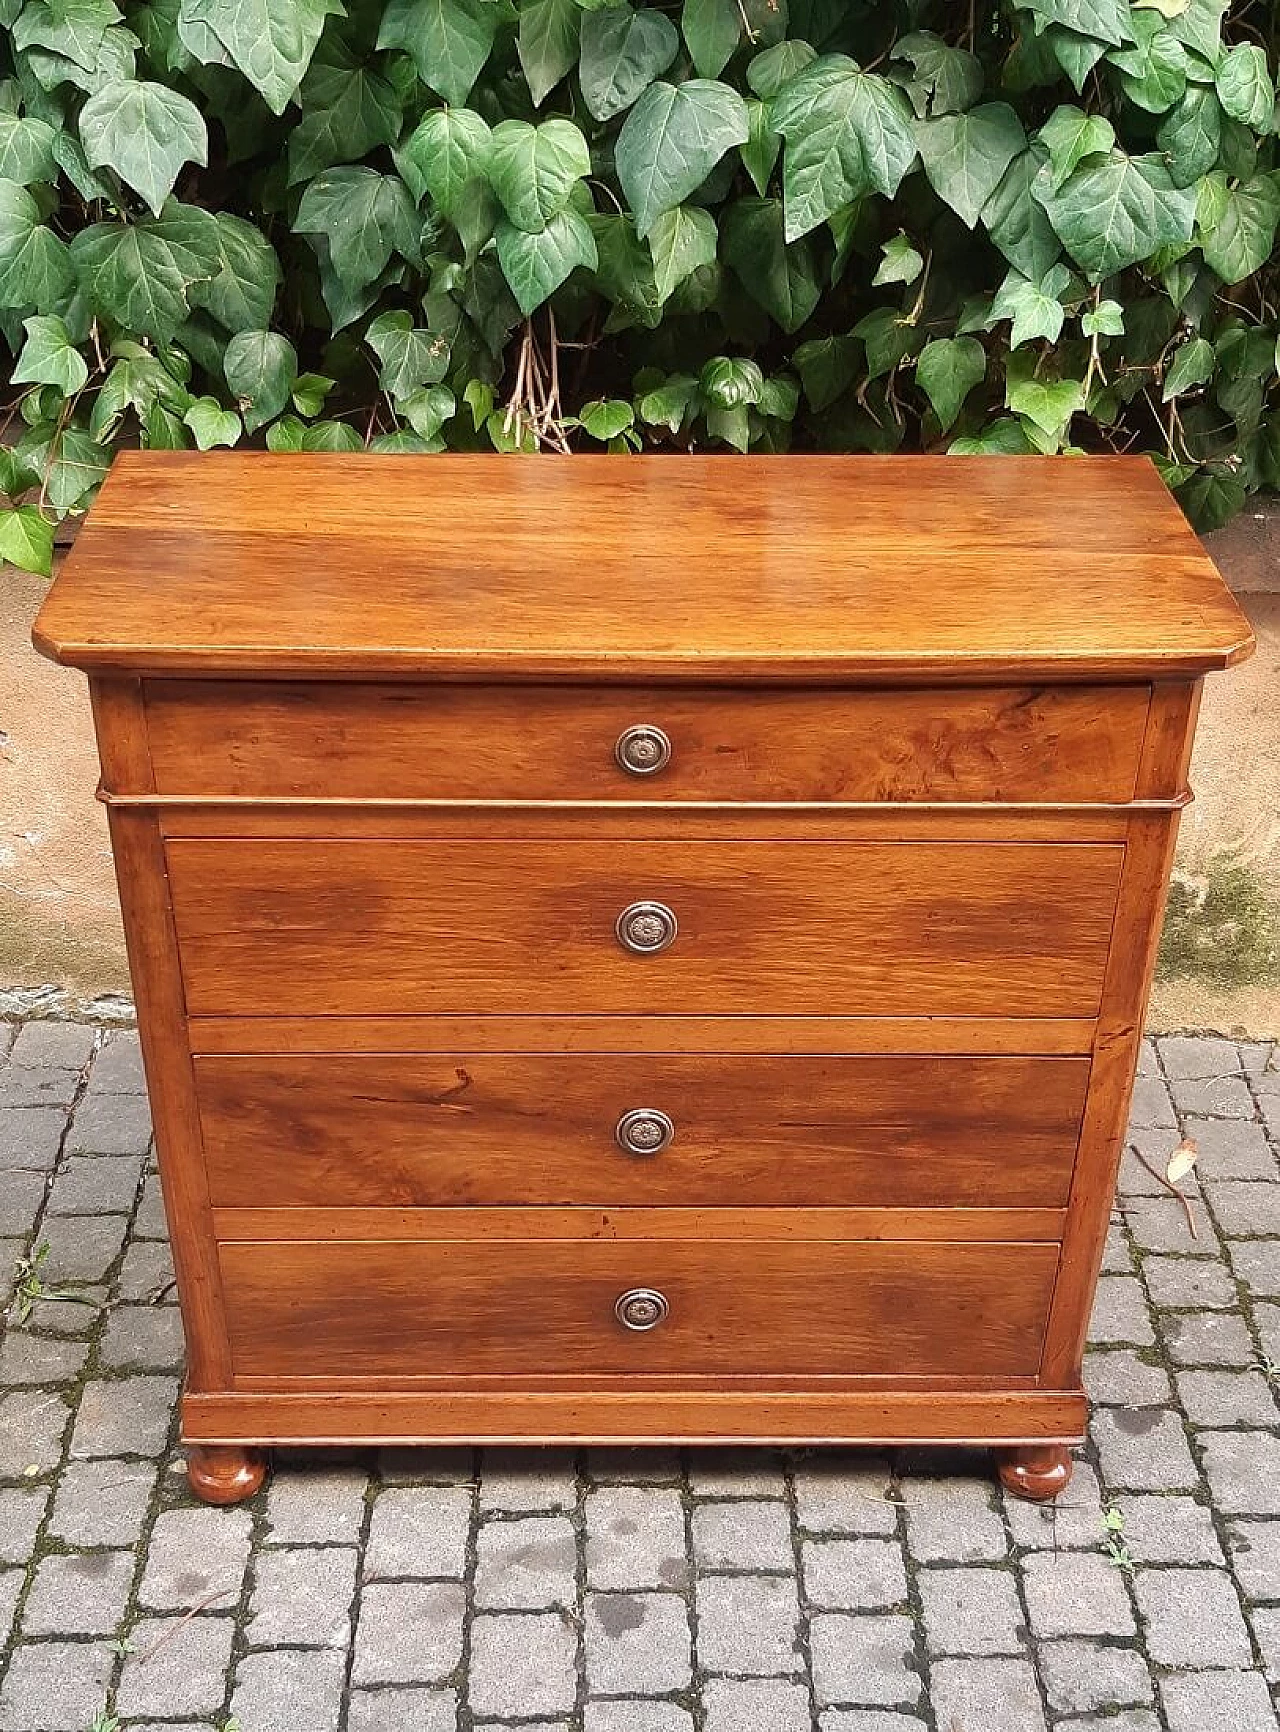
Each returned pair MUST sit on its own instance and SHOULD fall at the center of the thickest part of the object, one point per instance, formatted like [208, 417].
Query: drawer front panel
[328, 927]
[273, 740]
[339, 1130]
[520, 1309]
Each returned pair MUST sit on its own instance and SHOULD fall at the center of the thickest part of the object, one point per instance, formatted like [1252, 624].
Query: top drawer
[282, 739]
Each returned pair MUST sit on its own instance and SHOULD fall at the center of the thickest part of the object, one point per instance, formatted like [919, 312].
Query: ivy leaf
[1104, 320]
[777, 66]
[1240, 242]
[73, 467]
[241, 293]
[449, 41]
[827, 367]
[712, 29]
[947, 80]
[1048, 405]
[1244, 86]
[762, 147]
[428, 409]
[446, 154]
[622, 52]
[1193, 364]
[73, 29]
[270, 41]
[1113, 213]
[533, 169]
[140, 273]
[1033, 308]
[212, 424]
[1108, 20]
[624, 270]
[309, 392]
[672, 403]
[26, 149]
[1077, 56]
[1071, 136]
[535, 265]
[681, 241]
[899, 263]
[1199, 26]
[1003, 438]
[889, 338]
[846, 131]
[410, 357]
[1153, 73]
[948, 369]
[781, 278]
[145, 133]
[672, 139]
[26, 539]
[547, 44]
[49, 357]
[1190, 135]
[965, 155]
[1017, 222]
[348, 110]
[730, 382]
[260, 368]
[35, 265]
[606, 418]
[331, 436]
[364, 217]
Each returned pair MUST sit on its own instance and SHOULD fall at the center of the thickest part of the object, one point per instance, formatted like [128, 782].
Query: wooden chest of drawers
[646, 949]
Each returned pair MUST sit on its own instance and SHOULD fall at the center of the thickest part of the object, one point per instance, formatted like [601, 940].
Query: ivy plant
[841, 225]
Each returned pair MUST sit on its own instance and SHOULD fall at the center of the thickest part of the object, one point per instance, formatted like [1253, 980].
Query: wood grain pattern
[468, 1128]
[266, 740]
[793, 569]
[476, 1305]
[794, 928]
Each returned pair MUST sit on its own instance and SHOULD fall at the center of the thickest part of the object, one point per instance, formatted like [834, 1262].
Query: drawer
[472, 1307]
[328, 927]
[358, 742]
[346, 1130]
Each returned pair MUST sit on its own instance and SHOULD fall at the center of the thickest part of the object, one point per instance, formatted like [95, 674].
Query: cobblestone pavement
[625, 1591]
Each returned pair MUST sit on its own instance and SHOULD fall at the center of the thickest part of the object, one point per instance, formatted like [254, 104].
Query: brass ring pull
[646, 927]
[643, 750]
[644, 1131]
[641, 1308]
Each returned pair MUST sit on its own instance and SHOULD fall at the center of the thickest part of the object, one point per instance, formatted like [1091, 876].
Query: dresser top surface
[786, 569]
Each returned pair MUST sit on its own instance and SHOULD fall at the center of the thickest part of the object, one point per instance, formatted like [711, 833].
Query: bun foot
[225, 1473]
[1036, 1471]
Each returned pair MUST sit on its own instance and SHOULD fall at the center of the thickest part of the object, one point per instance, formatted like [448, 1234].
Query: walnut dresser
[639, 949]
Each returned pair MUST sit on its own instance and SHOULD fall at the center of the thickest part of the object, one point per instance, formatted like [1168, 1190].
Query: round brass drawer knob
[646, 927]
[644, 1131]
[641, 1308]
[643, 750]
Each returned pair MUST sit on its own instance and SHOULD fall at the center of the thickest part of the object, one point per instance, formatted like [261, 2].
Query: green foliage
[411, 225]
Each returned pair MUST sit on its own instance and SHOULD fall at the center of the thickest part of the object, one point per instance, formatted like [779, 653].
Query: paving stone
[142, 1338]
[107, 1185]
[1116, 1375]
[1188, 1284]
[1073, 1521]
[1130, 1720]
[425, 1466]
[1084, 1677]
[402, 1711]
[864, 1660]
[33, 1423]
[1227, 1398]
[30, 1138]
[193, 1553]
[971, 1611]
[755, 1706]
[1245, 1209]
[1243, 1471]
[314, 1507]
[83, 1594]
[1138, 1176]
[627, 1465]
[1223, 1097]
[1265, 1623]
[636, 1644]
[38, 1087]
[994, 1695]
[736, 1473]
[635, 1716]
[81, 1247]
[1239, 1700]
[1148, 1063]
[288, 1688]
[302, 1597]
[67, 1318]
[35, 1359]
[102, 1503]
[1143, 1449]
[1194, 1057]
[1170, 1530]
[21, 1195]
[409, 1632]
[749, 1535]
[528, 1479]
[187, 1675]
[868, 1720]
[1192, 1618]
[1117, 1259]
[10, 1586]
[527, 1564]
[54, 1686]
[953, 1520]
[118, 1067]
[419, 1531]
[1231, 1149]
[1151, 1107]
[748, 1625]
[523, 1664]
[146, 1274]
[1120, 1313]
[1160, 1224]
[110, 1125]
[1255, 1557]
[1266, 1319]
[124, 1416]
[635, 1538]
[149, 1219]
[1076, 1594]
[853, 1575]
[1255, 1055]
[62, 1045]
[844, 1494]
[21, 1512]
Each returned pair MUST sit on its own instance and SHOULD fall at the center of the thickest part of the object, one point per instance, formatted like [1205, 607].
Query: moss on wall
[1222, 927]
